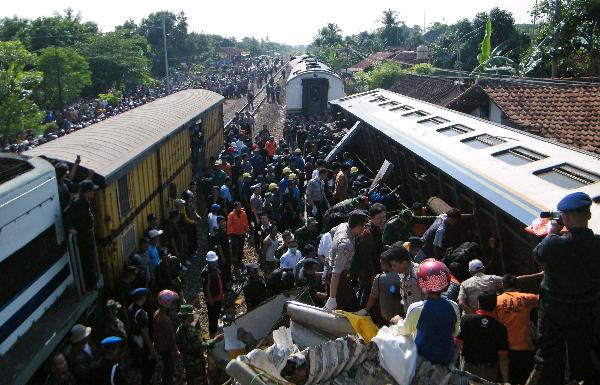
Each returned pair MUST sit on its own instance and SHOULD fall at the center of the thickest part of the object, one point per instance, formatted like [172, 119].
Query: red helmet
[168, 299]
[433, 276]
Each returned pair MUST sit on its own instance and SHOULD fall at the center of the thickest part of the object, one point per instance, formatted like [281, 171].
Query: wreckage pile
[320, 347]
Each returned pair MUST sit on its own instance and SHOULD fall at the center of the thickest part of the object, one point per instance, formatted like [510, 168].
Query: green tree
[117, 59]
[385, 74]
[66, 74]
[59, 30]
[422, 69]
[392, 34]
[12, 28]
[569, 37]
[178, 47]
[18, 111]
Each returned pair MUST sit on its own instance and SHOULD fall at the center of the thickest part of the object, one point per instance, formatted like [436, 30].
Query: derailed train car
[142, 159]
[310, 85]
[505, 176]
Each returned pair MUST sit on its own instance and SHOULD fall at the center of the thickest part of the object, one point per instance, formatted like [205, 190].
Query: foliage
[18, 111]
[392, 33]
[361, 81]
[577, 29]
[422, 69]
[113, 97]
[60, 30]
[384, 74]
[486, 50]
[117, 59]
[457, 45]
[64, 68]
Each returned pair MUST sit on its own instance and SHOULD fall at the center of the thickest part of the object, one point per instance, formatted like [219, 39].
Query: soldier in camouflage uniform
[340, 212]
[401, 227]
[192, 347]
[113, 326]
[307, 234]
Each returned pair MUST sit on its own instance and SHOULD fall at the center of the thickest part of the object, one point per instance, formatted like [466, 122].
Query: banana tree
[492, 61]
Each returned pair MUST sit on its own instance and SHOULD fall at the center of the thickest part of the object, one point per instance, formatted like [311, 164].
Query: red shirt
[237, 224]
[271, 146]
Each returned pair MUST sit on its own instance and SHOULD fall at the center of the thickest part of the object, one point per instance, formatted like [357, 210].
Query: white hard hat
[211, 256]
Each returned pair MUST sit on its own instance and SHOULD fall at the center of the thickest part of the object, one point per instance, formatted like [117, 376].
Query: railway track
[262, 90]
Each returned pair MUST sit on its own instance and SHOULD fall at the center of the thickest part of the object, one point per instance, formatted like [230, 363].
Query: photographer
[569, 292]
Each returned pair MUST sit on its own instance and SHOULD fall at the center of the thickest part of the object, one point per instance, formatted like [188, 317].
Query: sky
[291, 22]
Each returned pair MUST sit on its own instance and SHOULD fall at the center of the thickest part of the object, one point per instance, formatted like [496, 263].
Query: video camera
[553, 215]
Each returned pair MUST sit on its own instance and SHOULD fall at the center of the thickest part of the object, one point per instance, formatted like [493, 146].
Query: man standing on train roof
[337, 267]
[569, 298]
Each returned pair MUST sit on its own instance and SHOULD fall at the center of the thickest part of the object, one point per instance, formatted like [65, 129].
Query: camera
[553, 215]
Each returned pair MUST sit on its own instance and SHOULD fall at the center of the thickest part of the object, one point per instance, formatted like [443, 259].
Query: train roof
[308, 64]
[519, 172]
[109, 146]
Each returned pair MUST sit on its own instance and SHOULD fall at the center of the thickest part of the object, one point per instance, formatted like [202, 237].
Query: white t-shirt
[289, 260]
[325, 245]
[212, 224]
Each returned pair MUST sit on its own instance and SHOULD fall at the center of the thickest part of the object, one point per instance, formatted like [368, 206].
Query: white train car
[310, 85]
[506, 176]
[39, 297]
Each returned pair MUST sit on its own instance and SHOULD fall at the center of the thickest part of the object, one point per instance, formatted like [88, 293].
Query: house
[368, 62]
[566, 112]
[405, 58]
[431, 89]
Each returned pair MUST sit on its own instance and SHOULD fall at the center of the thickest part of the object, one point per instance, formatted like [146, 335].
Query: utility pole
[58, 83]
[165, 49]
[555, 40]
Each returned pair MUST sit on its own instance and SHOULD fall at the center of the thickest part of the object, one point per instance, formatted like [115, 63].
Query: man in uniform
[339, 212]
[569, 294]
[478, 284]
[368, 250]
[255, 289]
[307, 234]
[403, 226]
[192, 347]
[337, 266]
[143, 353]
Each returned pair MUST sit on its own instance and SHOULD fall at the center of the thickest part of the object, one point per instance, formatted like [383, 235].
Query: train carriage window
[457, 129]
[402, 108]
[378, 99]
[391, 104]
[128, 241]
[21, 268]
[415, 114]
[518, 155]
[567, 176]
[123, 196]
[432, 122]
[483, 141]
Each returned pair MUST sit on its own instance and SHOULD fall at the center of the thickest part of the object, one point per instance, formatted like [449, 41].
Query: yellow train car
[140, 158]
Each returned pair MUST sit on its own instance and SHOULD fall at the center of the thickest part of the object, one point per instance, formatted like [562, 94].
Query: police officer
[143, 353]
[110, 371]
[337, 268]
[569, 292]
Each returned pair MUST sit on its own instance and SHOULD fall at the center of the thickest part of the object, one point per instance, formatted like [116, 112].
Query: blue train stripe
[30, 306]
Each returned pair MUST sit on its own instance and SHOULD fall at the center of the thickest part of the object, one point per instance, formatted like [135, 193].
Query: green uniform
[192, 347]
[397, 230]
[340, 212]
[305, 236]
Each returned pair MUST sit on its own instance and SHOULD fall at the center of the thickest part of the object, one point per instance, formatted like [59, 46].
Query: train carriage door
[314, 96]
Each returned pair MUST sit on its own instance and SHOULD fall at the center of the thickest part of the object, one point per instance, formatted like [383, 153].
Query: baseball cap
[475, 265]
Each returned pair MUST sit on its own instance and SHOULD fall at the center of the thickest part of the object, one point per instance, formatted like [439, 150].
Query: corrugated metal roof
[108, 146]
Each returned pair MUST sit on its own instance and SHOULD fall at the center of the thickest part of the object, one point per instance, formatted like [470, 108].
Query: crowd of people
[235, 80]
[277, 215]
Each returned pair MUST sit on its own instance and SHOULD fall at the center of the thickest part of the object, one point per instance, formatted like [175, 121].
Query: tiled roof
[430, 89]
[230, 50]
[567, 113]
[405, 57]
[369, 61]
